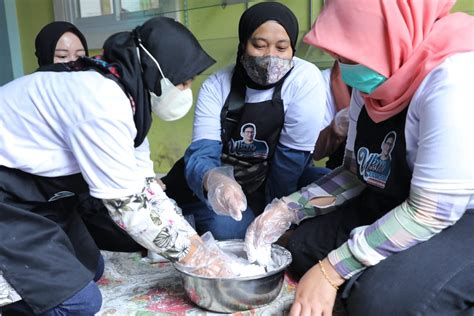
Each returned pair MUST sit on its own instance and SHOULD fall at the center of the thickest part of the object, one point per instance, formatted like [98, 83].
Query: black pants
[435, 277]
[105, 232]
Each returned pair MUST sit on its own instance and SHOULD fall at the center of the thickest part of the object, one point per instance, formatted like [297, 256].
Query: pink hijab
[400, 39]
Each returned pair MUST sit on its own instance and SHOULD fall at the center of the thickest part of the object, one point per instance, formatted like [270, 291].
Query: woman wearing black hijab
[59, 42]
[75, 127]
[260, 116]
[62, 42]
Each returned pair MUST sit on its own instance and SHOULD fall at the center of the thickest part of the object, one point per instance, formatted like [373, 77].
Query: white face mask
[173, 103]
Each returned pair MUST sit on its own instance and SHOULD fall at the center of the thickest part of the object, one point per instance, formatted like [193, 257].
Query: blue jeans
[86, 302]
[222, 227]
[311, 174]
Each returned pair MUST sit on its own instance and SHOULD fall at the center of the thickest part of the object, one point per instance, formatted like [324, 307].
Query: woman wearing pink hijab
[390, 231]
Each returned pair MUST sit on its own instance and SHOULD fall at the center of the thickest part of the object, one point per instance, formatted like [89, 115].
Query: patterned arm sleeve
[341, 183]
[8, 295]
[423, 215]
[153, 220]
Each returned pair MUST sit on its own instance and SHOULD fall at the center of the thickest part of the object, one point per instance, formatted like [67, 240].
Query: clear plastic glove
[266, 229]
[341, 122]
[210, 260]
[158, 180]
[225, 195]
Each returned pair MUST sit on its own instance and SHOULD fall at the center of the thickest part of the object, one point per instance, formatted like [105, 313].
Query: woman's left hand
[315, 296]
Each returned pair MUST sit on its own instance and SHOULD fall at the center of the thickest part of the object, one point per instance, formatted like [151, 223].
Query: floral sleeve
[8, 295]
[153, 220]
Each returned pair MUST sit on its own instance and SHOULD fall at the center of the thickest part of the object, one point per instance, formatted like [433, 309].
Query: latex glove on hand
[210, 260]
[225, 195]
[266, 229]
[341, 122]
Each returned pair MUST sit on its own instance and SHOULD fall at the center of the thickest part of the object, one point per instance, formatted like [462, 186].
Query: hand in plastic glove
[266, 229]
[225, 195]
[207, 259]
[341, 122]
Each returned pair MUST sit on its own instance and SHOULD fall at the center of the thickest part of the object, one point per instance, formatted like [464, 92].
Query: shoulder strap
[231, 111]
[277, 91]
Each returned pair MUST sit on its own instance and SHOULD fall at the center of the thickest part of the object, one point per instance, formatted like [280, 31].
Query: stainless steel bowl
[228, 295]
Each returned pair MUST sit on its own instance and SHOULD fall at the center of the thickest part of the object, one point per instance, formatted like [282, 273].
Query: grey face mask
[266, 70]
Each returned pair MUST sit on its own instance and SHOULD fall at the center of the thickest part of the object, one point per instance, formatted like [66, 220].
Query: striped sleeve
[423, 215]
[341, 183]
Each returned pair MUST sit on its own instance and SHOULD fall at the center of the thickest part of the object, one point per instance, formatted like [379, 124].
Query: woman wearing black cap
[59, 42]
[78, 127]
[261, 117]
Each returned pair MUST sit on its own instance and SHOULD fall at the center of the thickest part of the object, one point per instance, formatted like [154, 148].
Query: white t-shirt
[61, 123]
[304, 98]
[330, 103]
[439, 126]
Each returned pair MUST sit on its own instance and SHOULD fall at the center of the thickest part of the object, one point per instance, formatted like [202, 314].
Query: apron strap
[233, 106]
[232, 109]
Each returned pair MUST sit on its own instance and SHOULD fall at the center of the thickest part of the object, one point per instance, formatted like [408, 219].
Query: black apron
[46, 252]
[337, 157]
[388, 181]
[251, 168]
[388, 185]
[251, 160]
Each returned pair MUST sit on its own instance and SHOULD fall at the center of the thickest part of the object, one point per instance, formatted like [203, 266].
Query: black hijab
[255, 16]
[178, 52]
[48, 37]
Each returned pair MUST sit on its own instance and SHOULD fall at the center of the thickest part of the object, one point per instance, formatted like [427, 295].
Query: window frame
[97, 29]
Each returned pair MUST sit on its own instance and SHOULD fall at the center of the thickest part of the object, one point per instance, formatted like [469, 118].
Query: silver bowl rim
[285, 251]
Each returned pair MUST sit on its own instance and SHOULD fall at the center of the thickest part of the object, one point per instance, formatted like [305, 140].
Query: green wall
[32, 16]
[464, 6]
[216, 29]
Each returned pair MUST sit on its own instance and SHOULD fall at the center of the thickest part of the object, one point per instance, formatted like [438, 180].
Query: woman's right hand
[205, 258]
[266, 229]
[314, 295]
[225, 195]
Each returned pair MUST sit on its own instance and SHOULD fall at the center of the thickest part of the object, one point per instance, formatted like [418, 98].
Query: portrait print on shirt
[375, 167]
[248, 146]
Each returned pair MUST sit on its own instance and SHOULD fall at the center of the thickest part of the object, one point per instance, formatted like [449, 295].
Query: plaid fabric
[341, 183]
[423, 215]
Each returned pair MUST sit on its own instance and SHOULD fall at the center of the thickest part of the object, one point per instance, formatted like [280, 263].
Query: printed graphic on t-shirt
[248, 146]
[375, 167]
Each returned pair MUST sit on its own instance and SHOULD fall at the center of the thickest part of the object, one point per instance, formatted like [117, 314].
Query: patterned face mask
[266, 70]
